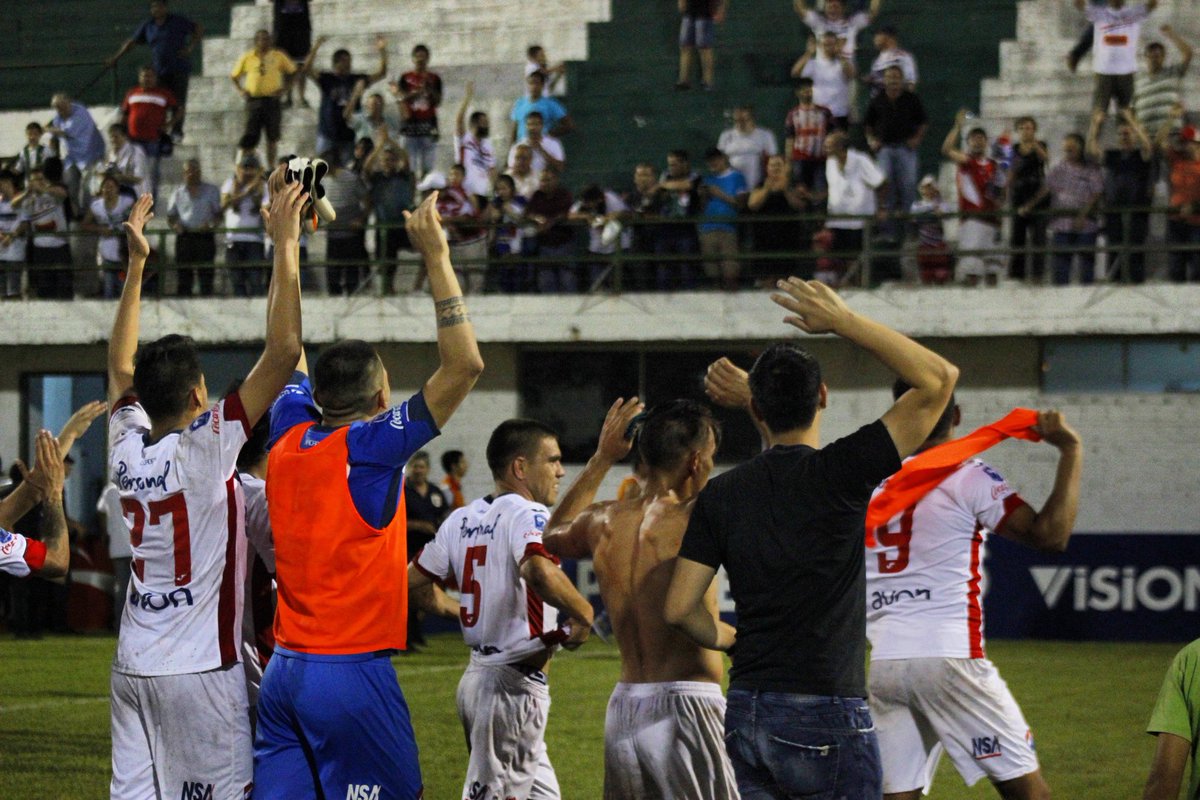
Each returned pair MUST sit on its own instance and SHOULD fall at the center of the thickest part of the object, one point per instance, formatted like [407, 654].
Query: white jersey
[258, 520]
[480, 549]
[184, 507]
[923, 572]
[1115, 37]
[20, 556]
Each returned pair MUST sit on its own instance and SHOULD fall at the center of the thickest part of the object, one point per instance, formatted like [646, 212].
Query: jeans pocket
[804, 765]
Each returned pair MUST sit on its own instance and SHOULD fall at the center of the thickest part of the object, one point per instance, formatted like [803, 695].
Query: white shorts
[504, 711]
[974, 234]
[664, 741]
[181, 736]
[962, 705]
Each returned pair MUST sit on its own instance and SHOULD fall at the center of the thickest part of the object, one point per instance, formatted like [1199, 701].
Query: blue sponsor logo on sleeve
[5, 536]
[200, 421]
[539, 522]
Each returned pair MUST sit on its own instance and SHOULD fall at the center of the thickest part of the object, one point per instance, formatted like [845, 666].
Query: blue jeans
[1062, 261]
[898, 163]
[422, 152]
[786, 746]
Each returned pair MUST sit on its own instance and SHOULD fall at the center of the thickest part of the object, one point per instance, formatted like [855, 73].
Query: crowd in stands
[848, 178]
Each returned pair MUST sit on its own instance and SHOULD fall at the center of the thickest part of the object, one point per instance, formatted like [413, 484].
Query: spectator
[520, 169]
[241, 199]
[1158, 88]
[599, 209]
[473, 149]
[339, 88]
[697, 32]
[1026, 176]
[545, 150]
[105, 217]
[391, 190]
[345, 242]
[933, 254]
[171, 39]
[806, 127]
[1074, 187]
[1128, 184]
[13, 241]
[895, 125]
[506, 212]
[455, 465]
[73, 124]
[555, 119]
[1183, 225]
[835, 20]
[832, 75]
[677, 235]
[548, 210]
[979, 187]
[127, 163]
[468, 239]
[645, 203]
[34, 152]
[536, 61]
[268, 72]
[373, 122]
[724, 190]
[887, 42]
[856, 187]
[747, 146]
[43, 207]
[112, 522]
[777, 198]
[1175, 721]
[362, 151]
[293, 35]
[419, 93]
[424, 507]
[149, 113]
[194, 212]
[1116, 28]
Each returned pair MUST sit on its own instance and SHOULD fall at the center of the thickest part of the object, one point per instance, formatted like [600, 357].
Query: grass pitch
[1088, 704]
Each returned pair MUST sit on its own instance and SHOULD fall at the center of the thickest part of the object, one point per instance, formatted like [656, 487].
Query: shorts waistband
[340, 658]
[624, 689]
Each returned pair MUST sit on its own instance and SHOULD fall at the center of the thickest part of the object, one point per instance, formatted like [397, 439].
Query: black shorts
[261, 113]
[293, 35]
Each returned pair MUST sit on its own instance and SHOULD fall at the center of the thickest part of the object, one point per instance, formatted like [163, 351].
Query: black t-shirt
[1028, 175]
[788, 528]
[895, 121]
[431, 508]
[336, 91]
[1130, 178]
[700, 8]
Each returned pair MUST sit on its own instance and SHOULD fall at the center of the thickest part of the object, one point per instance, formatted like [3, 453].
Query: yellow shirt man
[265, 73]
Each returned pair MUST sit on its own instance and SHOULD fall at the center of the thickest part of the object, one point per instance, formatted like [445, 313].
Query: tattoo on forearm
[54, 524]
[451, 311]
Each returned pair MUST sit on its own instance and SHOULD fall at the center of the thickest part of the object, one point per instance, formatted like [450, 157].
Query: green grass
[1087, 703]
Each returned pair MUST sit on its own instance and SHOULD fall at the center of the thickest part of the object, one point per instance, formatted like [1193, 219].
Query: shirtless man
[663, 737]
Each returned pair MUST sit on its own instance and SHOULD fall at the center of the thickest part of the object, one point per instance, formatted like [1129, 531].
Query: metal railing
[877, 261]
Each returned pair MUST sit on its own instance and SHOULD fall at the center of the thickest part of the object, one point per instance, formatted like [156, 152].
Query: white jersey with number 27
[480, 549]
[184, 508]
[923, 571]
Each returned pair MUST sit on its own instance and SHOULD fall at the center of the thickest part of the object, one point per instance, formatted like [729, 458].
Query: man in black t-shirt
[340, 88]
[787, 527]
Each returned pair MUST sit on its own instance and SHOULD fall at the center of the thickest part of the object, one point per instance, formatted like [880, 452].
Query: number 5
[475, 555]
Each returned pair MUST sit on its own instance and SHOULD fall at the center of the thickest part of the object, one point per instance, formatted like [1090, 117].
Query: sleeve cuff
[538, 549]
[35, 554]
[236, 411]
[130, 399]
[1011, 504]
[416, 562]
[418, 409]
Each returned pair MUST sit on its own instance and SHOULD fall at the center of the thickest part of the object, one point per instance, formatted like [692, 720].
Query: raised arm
[306, 66]
[568, 531]
[818, 309]
[381, 71]
[800, 6]
[460, 121]
[950, 143]
[874, 8]
[461, 364]
[553, 585]
[1185, 49]
[54, 519]
[1050, 529]
[728, 385]
[1091, 145]
[810, 50]
[122, 344]
[283, 347]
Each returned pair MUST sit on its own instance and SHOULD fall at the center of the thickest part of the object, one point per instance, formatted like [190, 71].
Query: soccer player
[511, 593]
[332, 721]
[50, 557]
[180, 724]
[664, 731]
[788, 526]
[258, 615]
[932, 685]
[1175, 722]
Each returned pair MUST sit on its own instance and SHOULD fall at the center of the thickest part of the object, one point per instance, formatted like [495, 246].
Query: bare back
[634, 547]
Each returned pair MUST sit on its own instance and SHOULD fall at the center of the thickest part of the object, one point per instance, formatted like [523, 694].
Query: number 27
[174, 506]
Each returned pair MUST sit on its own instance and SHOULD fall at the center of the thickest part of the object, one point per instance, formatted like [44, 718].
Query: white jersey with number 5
[923, 572]
[480, 549]
[184, 508]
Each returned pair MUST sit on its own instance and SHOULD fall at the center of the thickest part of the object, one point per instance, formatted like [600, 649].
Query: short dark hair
[537, 114]
[804, 83]
[420, 48]
[450, 459]
[506, 178]
[592, 193]
[785, 384]
[673, 429]
[8, 175]
[164, 372]
[1156, 46]
[891, 67]
[341, 52]
[680, 153]
[344, 377]
[513, 439]
[537, 73]
[420, 455]
[533, 50]
[945, 421]
[976, 131]
[34, 126]
[476, 116]
[714, 152]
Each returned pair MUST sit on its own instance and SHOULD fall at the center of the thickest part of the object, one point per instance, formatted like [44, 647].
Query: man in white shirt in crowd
[747, 145]
[891, 54]
[473, 149]
[855, 186]
[241, 199]
[835, 20]
[194, 211]
[127, 162]
[1116, 28]
[832, 75]
[545, 149]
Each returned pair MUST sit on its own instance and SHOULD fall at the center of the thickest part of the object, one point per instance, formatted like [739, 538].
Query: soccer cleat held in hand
[308, 172]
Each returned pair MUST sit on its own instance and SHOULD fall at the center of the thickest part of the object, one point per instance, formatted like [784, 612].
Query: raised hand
[135, 225]
[727, 384]
[614, 445]
[282, 219]
[1055, 430]
[424, 227]
[380, 43]
[81, 420]
[815, 307]
[50, 463]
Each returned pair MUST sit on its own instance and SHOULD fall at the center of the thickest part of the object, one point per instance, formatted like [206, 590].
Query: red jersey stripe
[227, 636]
[974, 608]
